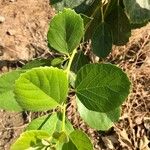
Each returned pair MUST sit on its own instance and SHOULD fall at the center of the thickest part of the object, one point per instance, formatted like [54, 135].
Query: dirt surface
[23, 29]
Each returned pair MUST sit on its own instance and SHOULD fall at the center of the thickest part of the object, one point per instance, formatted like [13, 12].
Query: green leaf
[62, 137]
[68, 126]
[57, 61]
[100, 121]
[7, 97]
[79, 61]
[138, 10]
[81, 140]
[96, 16]
[102, 87]
[102, 40]
[50, 123]
[37, 63]
[69, 146]
[120, 24]
[65, 31]
[30, 139]
[59, 5]
[41, 88]
[46, 123]
[81, 6]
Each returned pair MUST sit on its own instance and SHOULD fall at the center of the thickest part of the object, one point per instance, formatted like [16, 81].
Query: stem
[63, 119]
[70, 61]
[118, 3]
[102, 13]
[107, 8]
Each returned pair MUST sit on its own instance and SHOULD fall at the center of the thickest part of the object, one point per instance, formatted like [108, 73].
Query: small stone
[11, 32]
[2, 19]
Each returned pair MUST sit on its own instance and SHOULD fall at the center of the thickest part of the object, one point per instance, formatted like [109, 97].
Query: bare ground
[23, 36]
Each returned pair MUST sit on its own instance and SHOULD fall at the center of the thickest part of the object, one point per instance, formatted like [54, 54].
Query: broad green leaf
[102, 40]
[47, 123]
[120, 26]
[65, 31]
[30, 140]
[102, 87]
[79, 61]
[50, 123]
[7, 97]
[37, 63]
[97, 120]
[138, 10]
[81, 140]
[41, 88]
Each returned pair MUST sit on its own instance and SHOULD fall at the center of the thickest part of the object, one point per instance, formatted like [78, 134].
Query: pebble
[11, 32]
[2, 19]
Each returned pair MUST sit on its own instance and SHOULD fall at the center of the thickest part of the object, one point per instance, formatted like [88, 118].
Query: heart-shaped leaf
[102, 40]
[65, 31]
[30, 140]
[7, 97]
[102, 87]
[100, 121]
[41, 88]
[138, 10]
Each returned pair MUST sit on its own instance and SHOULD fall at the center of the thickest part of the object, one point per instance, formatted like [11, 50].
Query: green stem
[64, 115]
[68, 71]
[118, 2]
[102, 13]
[70, 61]
[107, 8]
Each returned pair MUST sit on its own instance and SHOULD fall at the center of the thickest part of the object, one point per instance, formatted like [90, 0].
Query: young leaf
[30, 140]
[7, 97]
[41, 88]
[81, 140]
[50, 123]
[46, 123]
[102, 40]
[138, 10]
[120, 26]
[102, 87]
[65, 31]
[100, 121]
